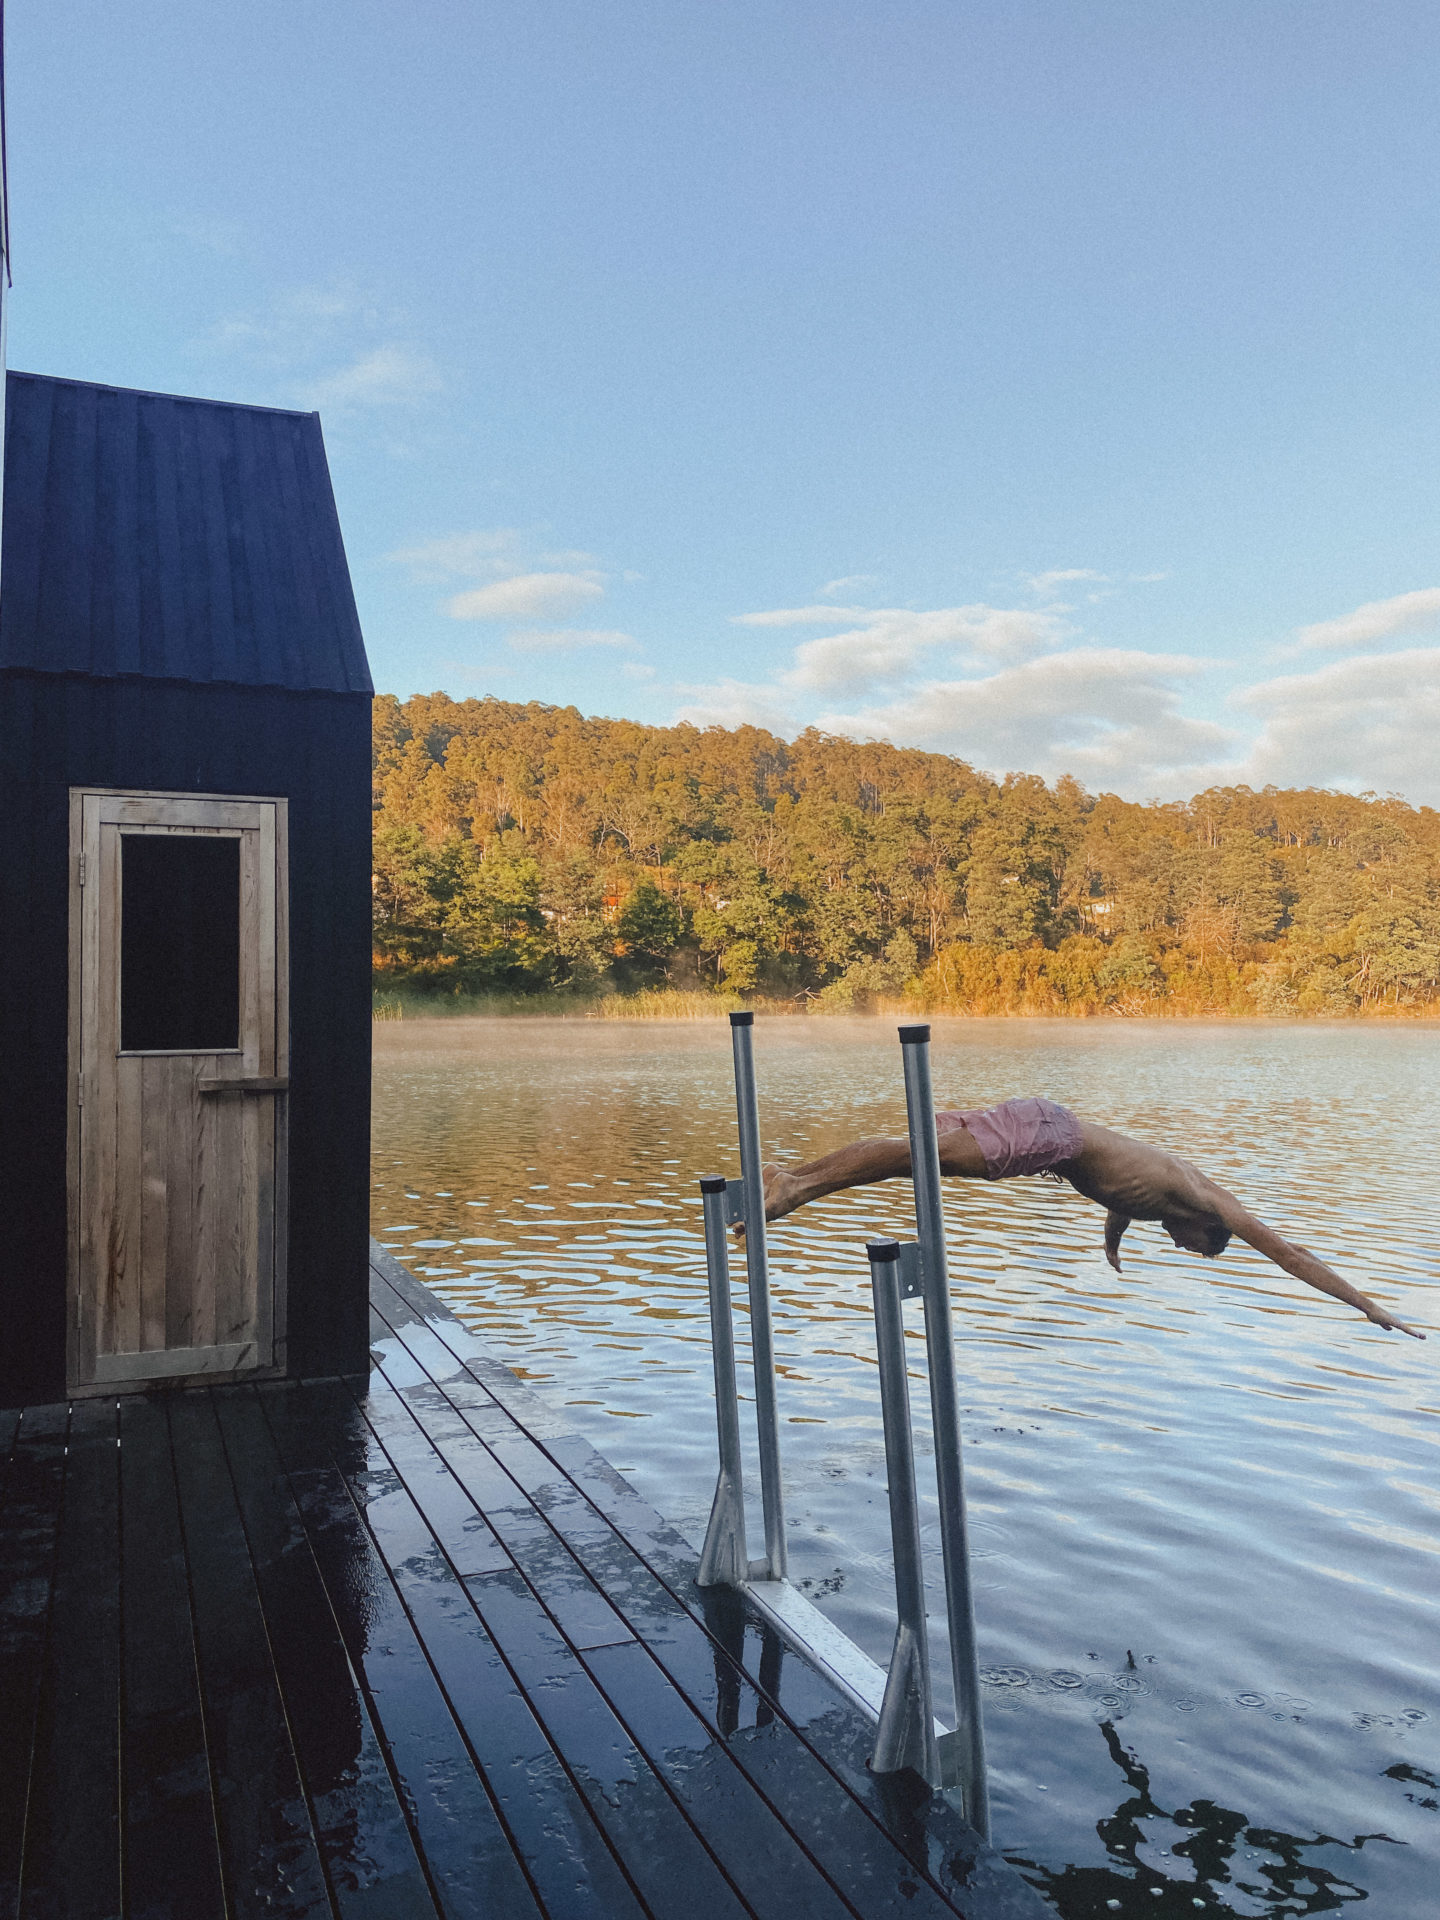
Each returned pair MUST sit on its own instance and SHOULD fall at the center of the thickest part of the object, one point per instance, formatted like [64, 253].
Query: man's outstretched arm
[1300, 1262]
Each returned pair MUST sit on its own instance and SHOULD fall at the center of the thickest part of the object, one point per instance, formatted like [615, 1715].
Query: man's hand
[1304, 1265]
[1115, 1225]
[1371, 1309]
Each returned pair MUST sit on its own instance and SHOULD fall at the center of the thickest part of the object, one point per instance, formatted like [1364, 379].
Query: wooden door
[179, 1056]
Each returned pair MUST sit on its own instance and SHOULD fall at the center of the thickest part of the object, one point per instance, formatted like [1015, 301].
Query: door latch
[263, 1083]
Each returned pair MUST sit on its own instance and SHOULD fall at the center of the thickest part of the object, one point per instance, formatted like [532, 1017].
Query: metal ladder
[906, 1736]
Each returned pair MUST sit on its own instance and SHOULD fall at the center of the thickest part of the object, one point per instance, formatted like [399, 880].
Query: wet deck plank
[270, 1857]
[72, 1835]
[431, 1551]
[171, 1848]
[666, 1855]
[407, 1646]
[364, 1833]
[472, 1868]
[29, 1532]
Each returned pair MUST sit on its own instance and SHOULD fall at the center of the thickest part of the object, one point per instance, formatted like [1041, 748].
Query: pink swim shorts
[1020, 1136]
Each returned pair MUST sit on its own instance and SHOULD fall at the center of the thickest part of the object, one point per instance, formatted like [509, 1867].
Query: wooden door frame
[75, 1388]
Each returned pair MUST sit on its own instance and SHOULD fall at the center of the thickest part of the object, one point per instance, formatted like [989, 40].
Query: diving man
[1130, 1180]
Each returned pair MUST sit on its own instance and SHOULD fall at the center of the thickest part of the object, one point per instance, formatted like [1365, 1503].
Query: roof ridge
[155, 393]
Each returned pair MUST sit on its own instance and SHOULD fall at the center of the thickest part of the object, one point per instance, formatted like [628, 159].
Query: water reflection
[730, 1626]
[1199, 1464]
[1216, 1862]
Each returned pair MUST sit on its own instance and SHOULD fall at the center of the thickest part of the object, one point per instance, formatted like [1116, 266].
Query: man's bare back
[1130, 1180]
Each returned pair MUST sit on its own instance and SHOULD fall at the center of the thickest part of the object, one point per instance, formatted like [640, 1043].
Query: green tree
[530, 847]
[651, 926]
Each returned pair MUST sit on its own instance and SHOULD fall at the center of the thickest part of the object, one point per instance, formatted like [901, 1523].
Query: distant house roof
[174, 539]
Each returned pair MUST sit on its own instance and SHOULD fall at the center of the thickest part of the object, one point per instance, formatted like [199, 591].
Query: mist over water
[1204, 1501]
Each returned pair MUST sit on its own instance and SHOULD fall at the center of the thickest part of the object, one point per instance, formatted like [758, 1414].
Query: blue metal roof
[175, 539]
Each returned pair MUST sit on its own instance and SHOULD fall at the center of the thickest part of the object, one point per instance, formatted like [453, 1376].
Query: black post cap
[883, 1251]
[742, 1019]
[914, 1036]
[713, 1183]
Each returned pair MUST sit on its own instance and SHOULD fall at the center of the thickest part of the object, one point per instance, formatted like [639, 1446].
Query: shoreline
[621, 1010]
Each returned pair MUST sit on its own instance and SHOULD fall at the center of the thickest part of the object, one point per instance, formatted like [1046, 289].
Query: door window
[179, 943]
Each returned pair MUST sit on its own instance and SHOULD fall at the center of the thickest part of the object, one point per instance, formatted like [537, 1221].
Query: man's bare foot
[782, 1195]
[783, 1192]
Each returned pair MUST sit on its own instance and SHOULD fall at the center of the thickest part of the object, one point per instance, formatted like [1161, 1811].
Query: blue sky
[1052, 384]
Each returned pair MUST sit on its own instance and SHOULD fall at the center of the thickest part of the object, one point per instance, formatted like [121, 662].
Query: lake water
[1205, 1501]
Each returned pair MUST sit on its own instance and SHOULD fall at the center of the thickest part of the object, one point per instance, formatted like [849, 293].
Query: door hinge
[80, 1088]
[82, 869]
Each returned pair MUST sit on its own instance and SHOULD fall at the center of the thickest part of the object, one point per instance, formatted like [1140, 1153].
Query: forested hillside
[525, 849]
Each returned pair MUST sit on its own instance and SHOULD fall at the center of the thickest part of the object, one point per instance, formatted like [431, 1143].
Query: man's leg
[861, 1165]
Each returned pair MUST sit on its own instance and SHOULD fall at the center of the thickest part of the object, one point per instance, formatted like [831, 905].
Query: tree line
[528, 849]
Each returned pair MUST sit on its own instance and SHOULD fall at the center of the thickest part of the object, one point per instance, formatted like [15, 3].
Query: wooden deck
[375, 1649]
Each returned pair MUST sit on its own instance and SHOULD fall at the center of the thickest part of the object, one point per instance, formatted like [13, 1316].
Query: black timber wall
[61, 730]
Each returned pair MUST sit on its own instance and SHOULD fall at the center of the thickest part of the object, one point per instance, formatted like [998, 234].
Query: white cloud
[1368, 723]
[526, 596]
[887, 643]
[1376, 621]
[847, 583]
[331, 347]
[386, 376]
[486, 553]
[1006, 688]
[799, 617]
[1045, 584]
[1109, 715]
[567, 639]
[299, 323]
[467, 556]
[1023, 689]
[736, 703]
[891, 643]
[852, 662]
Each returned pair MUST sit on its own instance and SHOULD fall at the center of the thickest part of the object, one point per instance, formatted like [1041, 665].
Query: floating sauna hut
[184, 898]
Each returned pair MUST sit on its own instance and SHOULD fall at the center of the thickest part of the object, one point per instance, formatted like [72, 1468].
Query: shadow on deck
[405, 1647]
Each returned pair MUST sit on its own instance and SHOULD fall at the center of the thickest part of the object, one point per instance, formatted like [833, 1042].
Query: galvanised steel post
[725, 1562]
[762, 1338]
[905, 1736]
[968, 1742]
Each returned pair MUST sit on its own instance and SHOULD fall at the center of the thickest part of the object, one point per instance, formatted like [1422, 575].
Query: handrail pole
[905, 1736]
[762, 1338]
[724, 1562]
[969, 1740]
